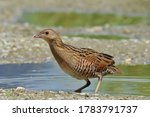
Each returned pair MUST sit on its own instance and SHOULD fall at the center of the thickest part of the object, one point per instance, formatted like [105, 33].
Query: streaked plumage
[81, 63]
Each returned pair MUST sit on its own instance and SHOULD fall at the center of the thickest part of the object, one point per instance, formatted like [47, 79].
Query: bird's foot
[78, 91]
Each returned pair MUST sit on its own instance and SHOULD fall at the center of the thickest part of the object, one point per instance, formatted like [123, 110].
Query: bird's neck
[57, 48]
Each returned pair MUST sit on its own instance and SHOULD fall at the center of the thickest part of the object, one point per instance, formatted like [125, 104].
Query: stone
[20, 89]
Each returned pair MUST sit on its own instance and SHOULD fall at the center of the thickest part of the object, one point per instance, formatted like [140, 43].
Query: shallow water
[48, 76]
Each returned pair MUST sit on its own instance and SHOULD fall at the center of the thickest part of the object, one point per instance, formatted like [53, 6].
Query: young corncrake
[81, 63]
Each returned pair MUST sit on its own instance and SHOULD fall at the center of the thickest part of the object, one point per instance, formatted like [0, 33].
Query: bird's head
[48, 35]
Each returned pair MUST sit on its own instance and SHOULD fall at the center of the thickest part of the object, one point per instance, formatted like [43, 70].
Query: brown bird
[81, 63]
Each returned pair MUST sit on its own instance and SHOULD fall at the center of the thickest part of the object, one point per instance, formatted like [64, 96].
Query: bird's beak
[36, 36]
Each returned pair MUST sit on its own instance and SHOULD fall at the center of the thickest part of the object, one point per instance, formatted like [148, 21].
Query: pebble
[128, 61]
[2, 91]
[94, 29]
[61, 92]
[20, 90]
[126, 31]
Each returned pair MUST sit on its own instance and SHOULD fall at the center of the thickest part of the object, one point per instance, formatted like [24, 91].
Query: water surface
[48, 76]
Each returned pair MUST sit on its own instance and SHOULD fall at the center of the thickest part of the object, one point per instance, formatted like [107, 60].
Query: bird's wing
[101, 59]
[88, 57]
[92, 59]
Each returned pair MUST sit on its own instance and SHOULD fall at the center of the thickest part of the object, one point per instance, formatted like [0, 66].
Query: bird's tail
[113, 70]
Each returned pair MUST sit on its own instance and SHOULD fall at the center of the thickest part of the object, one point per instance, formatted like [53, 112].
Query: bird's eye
[46, 33]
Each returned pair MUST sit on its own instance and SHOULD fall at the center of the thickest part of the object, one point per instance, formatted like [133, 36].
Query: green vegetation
[9, 93]
[73, 19]
[112, 37]
[135, 70]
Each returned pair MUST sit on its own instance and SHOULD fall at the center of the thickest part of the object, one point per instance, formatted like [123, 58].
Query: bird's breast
[65, 61]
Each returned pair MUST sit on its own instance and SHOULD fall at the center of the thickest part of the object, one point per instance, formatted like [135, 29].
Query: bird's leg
[86, 85]
[99, 83]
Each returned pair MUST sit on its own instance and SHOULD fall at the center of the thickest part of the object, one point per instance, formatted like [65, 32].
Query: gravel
[21, 93]
[18, 46]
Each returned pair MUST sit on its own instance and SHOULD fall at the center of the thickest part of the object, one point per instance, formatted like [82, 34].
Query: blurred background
[119, 28]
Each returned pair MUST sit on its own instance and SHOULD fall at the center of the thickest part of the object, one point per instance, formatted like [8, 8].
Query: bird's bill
[36, 36]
